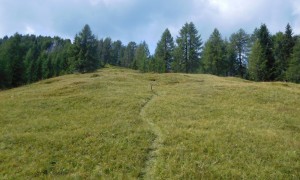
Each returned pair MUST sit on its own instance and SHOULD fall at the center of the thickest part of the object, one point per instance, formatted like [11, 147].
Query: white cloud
[29, 30]
[230, 12]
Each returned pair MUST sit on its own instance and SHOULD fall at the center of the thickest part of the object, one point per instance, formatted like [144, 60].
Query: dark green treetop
[164, 50]
[85, 51]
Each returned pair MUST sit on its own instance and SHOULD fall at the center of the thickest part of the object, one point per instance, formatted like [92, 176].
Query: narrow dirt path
[149, 169]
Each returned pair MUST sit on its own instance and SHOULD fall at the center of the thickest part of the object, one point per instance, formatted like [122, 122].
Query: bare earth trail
[149, 169]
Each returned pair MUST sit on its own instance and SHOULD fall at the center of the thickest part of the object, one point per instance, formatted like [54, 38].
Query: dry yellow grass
[109, 124]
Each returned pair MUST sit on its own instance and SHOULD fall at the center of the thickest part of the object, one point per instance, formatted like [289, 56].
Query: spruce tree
[164, 51]
[3, 67]
[240, 43]
[214, 55]
[188, 50]
[289, 42]
[3, 71]
[13, 56]
[84, 51]
[31, 63]
[257, 63]
[47, 68]
[100, 52]
[129, 53]
[107, 51]
[117, 51]
[293, 71]
[141, 58]
[182, 50]
[288, 45]
[231, 59]
[279, 56]
[266, 43]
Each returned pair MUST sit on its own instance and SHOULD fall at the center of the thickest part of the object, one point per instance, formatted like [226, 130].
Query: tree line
[260, 56]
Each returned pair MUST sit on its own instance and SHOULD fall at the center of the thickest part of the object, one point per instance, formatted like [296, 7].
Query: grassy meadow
[111, 125]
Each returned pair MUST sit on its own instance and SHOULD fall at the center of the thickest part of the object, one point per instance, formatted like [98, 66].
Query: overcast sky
[138, 20]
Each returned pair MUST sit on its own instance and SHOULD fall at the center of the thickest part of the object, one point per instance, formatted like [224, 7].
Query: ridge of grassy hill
[110, 124]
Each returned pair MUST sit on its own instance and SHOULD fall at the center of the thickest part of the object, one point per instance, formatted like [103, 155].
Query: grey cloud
[139, 20]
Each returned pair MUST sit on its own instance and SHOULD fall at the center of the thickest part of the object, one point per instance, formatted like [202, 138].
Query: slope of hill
[110, 124]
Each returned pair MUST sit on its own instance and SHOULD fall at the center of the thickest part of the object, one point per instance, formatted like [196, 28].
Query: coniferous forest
[260, 56]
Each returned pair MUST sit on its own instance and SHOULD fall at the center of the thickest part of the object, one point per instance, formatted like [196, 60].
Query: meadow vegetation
[110, 124]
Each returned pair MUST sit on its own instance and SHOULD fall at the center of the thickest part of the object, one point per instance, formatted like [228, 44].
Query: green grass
[110, 125]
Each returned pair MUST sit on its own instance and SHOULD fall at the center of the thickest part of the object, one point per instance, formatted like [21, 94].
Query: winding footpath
[149, 169]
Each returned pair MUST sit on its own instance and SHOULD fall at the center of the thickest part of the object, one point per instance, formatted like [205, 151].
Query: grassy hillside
[110, 124]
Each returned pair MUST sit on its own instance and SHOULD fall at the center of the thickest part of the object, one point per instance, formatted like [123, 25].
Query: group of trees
[26, 59]
[274, 57]
[260, 56]
[226, 58]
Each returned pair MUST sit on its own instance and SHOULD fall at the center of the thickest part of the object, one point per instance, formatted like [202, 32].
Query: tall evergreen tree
[231, 59]
[214, 55]
[100, 52]
[107, 51]
[289, 41]
[4, 70]
[288, 45]
[293, 71]
[141, 58]
[13, 55]
[117, 52]
[84, 51]
[266, 44]
[164, 50]
[181, 51]
[63, 55]
[32, 64]
[47, 68]
[129, 53]
[240, 43]
[257, 63]
[279, 56]
[188, 49]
